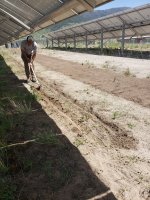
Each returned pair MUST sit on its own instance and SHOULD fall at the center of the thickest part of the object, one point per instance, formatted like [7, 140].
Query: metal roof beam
[10, 25]
[6, 31]
[2, 36]
[8, 22]
[141, 15]
[29, 6]
[13, 12]
[131, 28]
[51, 16]
[15, 19]
[87, 31]
[86, 5]
[105, 28]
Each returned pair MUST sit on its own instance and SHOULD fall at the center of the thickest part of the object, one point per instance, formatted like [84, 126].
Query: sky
[123, 3]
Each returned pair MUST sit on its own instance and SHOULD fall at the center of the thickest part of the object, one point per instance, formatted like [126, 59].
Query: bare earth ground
[101, 112]
[117, 64]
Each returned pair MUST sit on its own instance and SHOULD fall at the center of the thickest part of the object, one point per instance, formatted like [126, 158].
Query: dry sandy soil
[104, 112]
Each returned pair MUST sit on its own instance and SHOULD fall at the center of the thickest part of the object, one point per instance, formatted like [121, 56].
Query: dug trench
[87, 120]
[106, 148]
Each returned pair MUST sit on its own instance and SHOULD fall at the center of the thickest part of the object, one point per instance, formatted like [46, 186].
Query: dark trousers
[28, 71]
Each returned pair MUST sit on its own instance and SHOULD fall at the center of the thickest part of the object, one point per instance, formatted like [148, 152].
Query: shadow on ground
[48, 167]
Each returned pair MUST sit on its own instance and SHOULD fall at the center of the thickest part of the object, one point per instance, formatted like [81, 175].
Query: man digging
[28, 54]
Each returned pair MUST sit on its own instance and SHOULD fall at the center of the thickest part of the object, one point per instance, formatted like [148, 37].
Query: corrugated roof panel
[34, 15]
[44, 6]
[44, 24]
[7, 27]
[69, 32]
[118, 33]
[92, 26]
[127, 19]
[129, 32]
[78, 29]
[115, 34]
[92, 37]
[59, 34]
[70, 40]
[115, 21]
[64, 15]
[143, 30]
[108, 35]
[3, 34]
[145, 13]
[19, 10]
[106, 23]
[146, 29]
[134, 17]
[51, 35]
[80, 38]
[11, 25]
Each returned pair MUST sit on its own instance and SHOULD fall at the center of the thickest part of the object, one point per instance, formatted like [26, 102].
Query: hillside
[85, 17]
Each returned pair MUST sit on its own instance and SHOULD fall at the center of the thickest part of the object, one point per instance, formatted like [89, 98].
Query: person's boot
[28, 80]
[33, 79]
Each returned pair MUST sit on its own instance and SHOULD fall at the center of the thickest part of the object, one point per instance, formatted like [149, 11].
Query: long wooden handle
[30, 67]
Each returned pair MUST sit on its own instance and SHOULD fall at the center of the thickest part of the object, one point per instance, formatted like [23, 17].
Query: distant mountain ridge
[85, 17]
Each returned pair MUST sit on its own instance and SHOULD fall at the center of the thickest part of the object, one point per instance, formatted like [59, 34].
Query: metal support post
[102, 40]
[46, 42]
[52, 43]
[86, 41]
[66, 43]
[74, 41]
[123, 40]
[58, 43]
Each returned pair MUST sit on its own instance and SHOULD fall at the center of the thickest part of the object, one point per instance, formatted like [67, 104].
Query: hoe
[37, 82]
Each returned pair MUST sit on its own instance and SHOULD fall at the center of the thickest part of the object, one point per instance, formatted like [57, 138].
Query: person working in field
[28, 54]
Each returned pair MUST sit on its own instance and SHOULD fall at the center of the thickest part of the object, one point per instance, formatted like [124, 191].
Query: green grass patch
[7, 189]
[130, 125]
[116, 115]
[127, 72]
[78, 142]
[47, 138]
